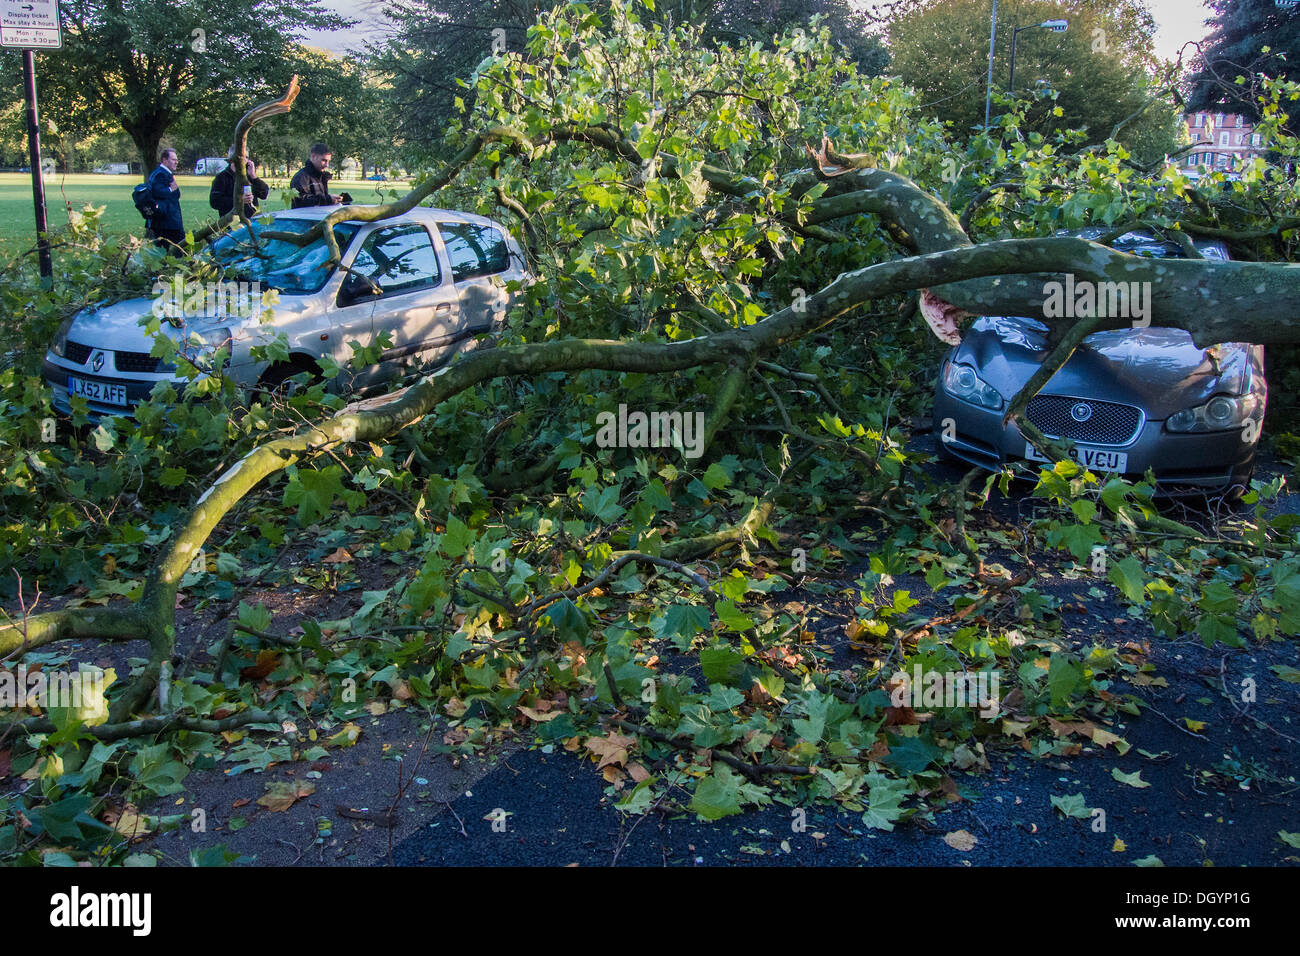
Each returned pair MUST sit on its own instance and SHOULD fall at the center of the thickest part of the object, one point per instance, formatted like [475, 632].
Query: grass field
[18, 224]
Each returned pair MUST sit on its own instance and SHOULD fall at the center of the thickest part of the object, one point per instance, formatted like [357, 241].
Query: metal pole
[988, 95]
[1011, 83]
[38, 184]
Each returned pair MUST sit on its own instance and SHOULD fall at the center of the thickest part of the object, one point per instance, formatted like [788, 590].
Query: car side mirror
[357, 287]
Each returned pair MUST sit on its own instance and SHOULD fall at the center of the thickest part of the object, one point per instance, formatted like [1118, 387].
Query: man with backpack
[166, 223]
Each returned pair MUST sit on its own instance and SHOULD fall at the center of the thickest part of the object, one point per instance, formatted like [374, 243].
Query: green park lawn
[76, 191]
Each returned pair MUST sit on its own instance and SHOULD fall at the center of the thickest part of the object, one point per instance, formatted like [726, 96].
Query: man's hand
[248, 166]
[174, 187]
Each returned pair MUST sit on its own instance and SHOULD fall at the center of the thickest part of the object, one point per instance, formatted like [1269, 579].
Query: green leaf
[814, 726]
[1289, 674]
[722, 665]
[1063, 676]
[456, 538]
[68, 819]
[570, 622]
[910, 755]
[680, 623]
[1127, 575]
[732, 618]
[1133, 779]
[884, 801]
[172, 478]
[1072, 806]
[314, 493]
[717, 795]
[715, 477]
[603, 503]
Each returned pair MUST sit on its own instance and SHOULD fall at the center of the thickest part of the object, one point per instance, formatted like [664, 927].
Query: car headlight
[960, 381]
[1220, 413]
[60, 344]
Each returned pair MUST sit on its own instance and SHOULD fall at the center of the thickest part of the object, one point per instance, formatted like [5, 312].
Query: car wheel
[278, 379]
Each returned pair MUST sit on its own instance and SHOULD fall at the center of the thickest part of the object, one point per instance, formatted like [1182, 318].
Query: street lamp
[1056, 26]
[988, 90]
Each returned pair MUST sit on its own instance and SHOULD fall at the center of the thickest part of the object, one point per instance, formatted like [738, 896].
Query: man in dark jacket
[222, 195]
[166, 224]
[312, 181]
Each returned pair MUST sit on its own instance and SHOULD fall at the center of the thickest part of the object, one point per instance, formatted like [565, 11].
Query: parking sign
[30, 24]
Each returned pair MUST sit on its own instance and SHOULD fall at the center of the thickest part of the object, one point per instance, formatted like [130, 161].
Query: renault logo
[97, 362]
[1081, 411]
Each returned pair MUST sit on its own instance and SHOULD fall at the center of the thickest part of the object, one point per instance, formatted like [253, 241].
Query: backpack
[142, 196]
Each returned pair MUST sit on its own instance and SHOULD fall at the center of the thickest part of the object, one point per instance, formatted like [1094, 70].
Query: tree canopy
[144, 65]
[1098, 67]
[1248, 39]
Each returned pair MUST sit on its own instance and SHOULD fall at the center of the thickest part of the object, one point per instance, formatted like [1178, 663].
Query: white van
[209, 165]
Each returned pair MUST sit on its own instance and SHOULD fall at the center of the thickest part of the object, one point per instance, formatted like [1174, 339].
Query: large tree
[1098, 67]
[343, 104]
[437, 44]
[1248, 39]
[147, 64]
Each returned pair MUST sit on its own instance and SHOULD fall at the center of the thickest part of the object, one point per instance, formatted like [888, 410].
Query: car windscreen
[279, 263]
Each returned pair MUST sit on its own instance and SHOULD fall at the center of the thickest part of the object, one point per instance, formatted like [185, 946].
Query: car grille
[123, 361]
[135, 362]
[1109, 424]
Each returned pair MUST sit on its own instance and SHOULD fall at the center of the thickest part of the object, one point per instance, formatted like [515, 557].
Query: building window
[1254, 139]
[1199, 117]
[1223, 139]
[1238, 123]
[1218, 120]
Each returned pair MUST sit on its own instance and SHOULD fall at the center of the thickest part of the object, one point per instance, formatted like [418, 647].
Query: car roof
[1145, 242]
[426, 214]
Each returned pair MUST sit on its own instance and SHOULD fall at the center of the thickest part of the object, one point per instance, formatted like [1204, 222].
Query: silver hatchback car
[412, 291]
[1130, 399]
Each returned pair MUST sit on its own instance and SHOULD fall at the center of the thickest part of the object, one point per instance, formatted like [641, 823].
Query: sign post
[30, 25]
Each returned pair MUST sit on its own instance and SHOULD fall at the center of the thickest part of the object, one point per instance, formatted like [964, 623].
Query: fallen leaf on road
[345, 737]
[960, 840]
[538, 716]
[282, 794]
[1133, 779]
[611, 750]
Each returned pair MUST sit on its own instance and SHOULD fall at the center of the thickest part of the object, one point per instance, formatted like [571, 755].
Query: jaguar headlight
[960, 381]
[1220, 413]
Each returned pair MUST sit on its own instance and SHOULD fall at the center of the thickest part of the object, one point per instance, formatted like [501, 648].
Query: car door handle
[442, 309]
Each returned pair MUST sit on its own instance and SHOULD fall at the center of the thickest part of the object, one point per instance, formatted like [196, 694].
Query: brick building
[1222, 141]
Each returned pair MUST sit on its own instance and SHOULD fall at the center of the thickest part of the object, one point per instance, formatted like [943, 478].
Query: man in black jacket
[222, 195]
[312, 181]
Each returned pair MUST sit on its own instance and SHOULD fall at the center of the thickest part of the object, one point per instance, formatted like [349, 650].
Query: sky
[1177, 20]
